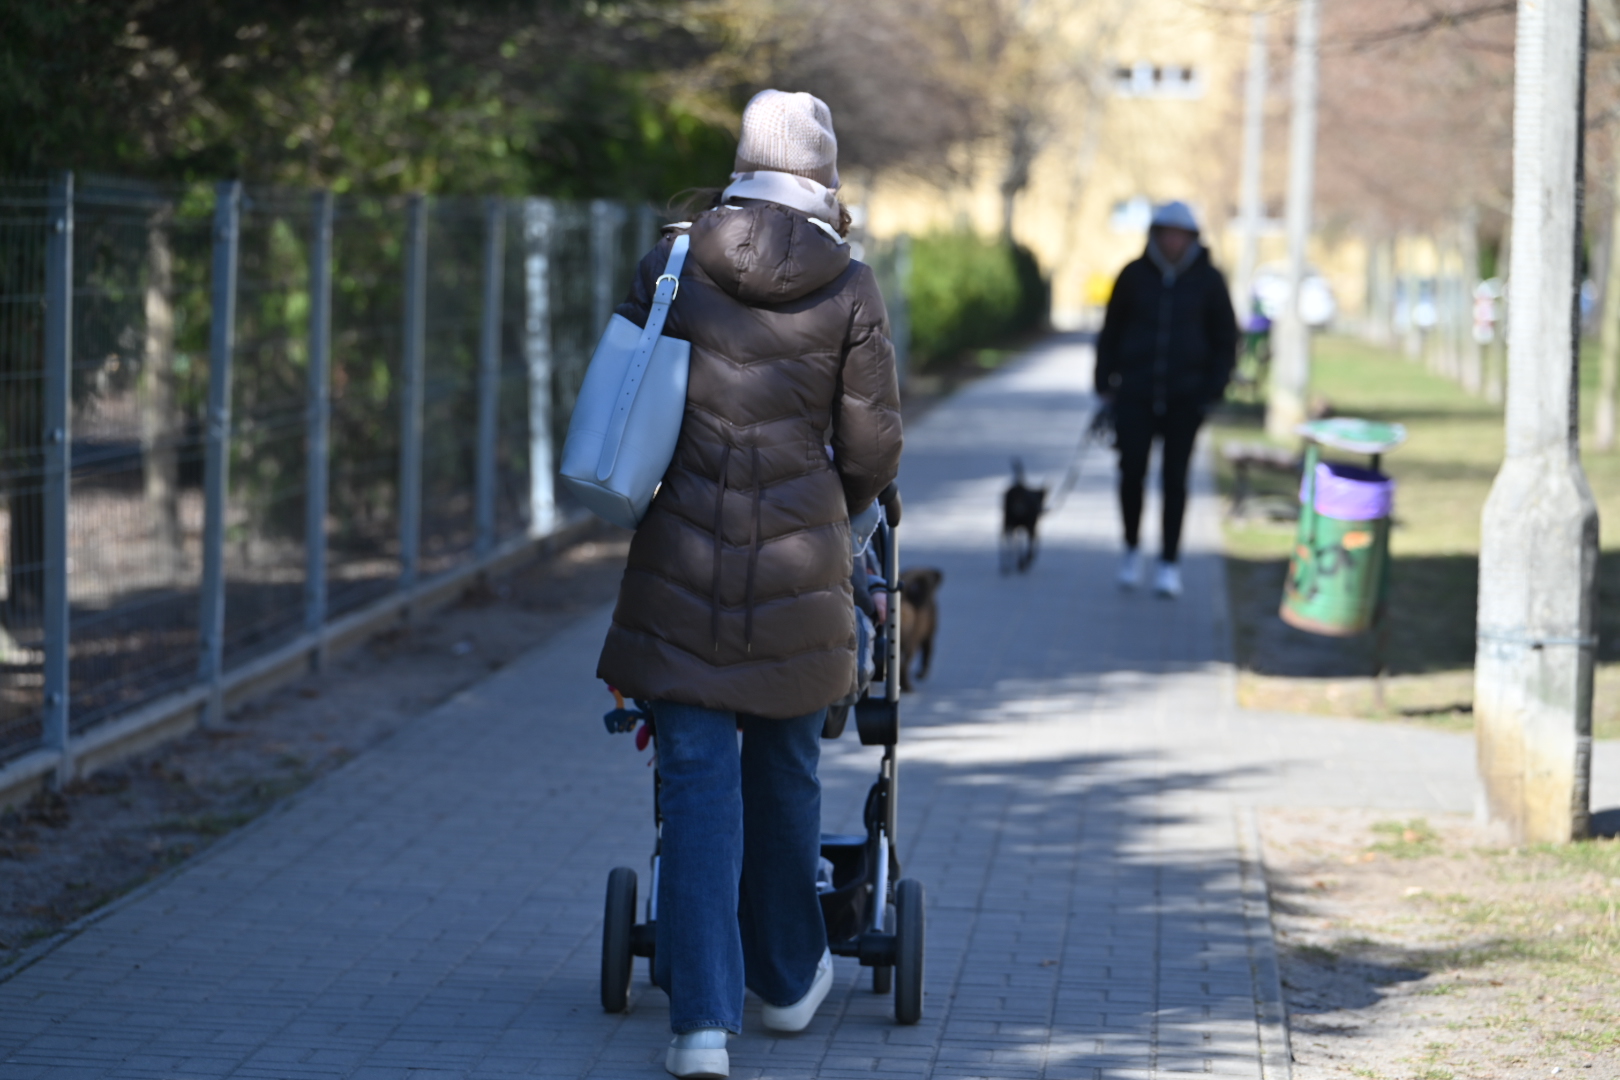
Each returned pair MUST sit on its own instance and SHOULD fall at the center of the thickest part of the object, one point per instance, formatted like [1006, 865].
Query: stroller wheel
[908, 951]
[618, 924]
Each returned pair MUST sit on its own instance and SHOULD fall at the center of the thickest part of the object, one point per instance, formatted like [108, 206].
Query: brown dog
[919, 618]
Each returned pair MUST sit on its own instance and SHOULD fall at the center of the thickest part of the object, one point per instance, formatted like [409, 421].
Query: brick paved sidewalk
[1073, 778]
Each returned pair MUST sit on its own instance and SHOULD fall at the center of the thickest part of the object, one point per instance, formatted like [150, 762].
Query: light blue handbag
[622, 435]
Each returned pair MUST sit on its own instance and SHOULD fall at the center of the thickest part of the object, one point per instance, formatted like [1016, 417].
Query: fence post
[606, 220]
[58, 466]
[489, 369]
[222, 342]
[410, 447]
[646, 229]
[539, 217]
[318, 418]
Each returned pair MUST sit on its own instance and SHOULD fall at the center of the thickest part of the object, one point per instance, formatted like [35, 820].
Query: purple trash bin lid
[1351, 493]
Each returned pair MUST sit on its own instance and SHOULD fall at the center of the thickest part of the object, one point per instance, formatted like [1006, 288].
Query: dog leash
[1098, 426]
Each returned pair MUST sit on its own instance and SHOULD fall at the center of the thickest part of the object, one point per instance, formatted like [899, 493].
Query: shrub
[966, 292]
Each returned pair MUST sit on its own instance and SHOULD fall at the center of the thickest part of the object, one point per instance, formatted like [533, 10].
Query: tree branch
[1436, 19]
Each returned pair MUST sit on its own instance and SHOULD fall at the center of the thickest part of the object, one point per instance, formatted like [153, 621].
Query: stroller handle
[891, 573]
[889, 498]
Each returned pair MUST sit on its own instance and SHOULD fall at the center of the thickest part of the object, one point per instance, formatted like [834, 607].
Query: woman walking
[735, 611]
[1165, 353]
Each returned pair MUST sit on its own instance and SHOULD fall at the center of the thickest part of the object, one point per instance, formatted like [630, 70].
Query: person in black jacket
[1165, 353]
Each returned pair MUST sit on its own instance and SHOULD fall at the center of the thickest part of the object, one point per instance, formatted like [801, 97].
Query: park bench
[1247, 457]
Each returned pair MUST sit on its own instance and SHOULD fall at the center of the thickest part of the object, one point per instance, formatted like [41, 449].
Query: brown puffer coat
[737, 593]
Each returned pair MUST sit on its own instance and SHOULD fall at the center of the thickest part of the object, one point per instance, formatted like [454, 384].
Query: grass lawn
[1443, 472]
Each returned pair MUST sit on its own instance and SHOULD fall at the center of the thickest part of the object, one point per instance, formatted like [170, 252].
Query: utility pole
[1254, 134]
[1291, 355]
[1538, 556]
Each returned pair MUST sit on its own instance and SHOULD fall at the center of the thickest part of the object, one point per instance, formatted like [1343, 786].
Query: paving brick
[1071, 773]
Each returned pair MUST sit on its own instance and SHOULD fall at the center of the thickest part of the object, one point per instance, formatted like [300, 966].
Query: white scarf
[788, 189]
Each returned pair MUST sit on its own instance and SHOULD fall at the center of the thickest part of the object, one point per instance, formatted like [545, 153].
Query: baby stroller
[871, 912]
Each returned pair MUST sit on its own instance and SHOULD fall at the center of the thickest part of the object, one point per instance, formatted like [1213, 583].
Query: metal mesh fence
[455, 287]
[139, 380]
[368, 312]
[573, 318]
[890, 260]
[139, 370]
[145, 284]
[264, 522]
[513, 513]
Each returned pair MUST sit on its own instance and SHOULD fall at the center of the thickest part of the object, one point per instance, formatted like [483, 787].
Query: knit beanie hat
[1174, 215]
[790, 133]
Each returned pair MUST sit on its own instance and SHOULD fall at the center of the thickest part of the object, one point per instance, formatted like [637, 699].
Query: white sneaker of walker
[699, 1055]
[797, 1017]
[1130, 569]
[1167, 582]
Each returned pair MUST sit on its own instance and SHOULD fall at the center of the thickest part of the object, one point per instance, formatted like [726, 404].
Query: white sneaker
[797, 1017]
[699, 1055]
[1130, 569]
[1167, 582]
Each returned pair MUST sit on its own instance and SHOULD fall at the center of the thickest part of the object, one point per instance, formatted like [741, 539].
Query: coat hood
[765, 253]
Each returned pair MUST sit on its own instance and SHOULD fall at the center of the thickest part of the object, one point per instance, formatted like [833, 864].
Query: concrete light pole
[1538, 556]
[1291, 354]
[1254, 128]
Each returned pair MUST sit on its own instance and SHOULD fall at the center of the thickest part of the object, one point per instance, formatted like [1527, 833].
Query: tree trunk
[1434, 335]
[25, 567]
[1250, 204]
[1022, 148]
[1609, 334]
[1496, 358]
[24, 434]
[161, 428]
[1381, 291]
[1473, 364]
[1291, 358]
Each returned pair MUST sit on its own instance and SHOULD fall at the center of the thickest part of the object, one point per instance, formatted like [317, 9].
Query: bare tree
[892, 74]
[159, 415]
[1608, 19]
[1416, 111]
[915, 83]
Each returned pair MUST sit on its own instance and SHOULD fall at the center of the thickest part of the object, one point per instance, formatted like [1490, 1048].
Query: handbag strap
[665, 290]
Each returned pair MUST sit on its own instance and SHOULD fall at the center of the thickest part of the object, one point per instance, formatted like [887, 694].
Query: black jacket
[1161, 341]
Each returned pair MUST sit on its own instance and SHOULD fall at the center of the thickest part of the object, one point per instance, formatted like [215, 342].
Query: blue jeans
[737, 882]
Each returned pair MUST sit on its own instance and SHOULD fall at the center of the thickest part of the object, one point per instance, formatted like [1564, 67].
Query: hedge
[965, 292]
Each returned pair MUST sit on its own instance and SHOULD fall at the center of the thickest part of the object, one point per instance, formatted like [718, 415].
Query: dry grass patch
[1413, 948]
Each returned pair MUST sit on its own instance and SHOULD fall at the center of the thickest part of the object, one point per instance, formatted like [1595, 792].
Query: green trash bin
[1339, 570]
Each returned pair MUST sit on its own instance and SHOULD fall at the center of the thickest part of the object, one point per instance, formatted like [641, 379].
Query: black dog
[1021, 509]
